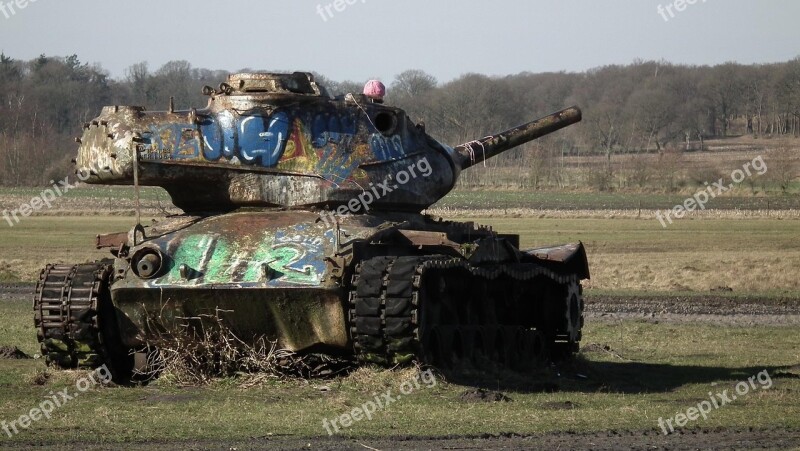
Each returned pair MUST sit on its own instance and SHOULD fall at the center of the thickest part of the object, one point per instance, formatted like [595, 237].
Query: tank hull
[385, 288]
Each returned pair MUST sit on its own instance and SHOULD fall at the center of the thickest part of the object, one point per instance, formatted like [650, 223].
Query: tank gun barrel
[474, 152]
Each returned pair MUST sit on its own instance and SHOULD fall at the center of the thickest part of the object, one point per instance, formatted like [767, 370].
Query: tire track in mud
[691, 439]
[16, 291]
[729, 311]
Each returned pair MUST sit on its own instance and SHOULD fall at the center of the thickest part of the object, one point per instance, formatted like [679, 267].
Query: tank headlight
[147, 263]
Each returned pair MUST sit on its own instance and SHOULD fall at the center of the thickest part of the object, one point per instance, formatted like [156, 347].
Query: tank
[304, 224]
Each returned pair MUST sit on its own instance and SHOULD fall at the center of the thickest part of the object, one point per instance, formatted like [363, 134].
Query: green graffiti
[262, 255]
[239, 263]
[219, 267]
[191, 253]
[286, 259]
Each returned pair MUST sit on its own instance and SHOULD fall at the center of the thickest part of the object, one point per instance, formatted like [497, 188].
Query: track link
[443, 311]
[66, 306]
[383, 310]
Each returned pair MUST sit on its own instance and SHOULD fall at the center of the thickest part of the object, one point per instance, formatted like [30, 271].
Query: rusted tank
[303, 224]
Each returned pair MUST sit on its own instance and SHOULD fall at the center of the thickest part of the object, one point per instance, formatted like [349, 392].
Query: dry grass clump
[747, 270]
[211, 351]
[13, 270]
[46, 376]
[370, 379]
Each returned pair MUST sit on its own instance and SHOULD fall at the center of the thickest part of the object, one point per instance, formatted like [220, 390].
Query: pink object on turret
[375, 89]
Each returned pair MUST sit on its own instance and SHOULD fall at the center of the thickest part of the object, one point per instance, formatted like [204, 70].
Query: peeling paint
[275, 140]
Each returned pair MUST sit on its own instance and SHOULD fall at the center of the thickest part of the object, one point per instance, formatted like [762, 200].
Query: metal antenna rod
[136, 186]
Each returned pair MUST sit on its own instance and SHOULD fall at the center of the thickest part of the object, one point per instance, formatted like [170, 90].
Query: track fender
[567, 258]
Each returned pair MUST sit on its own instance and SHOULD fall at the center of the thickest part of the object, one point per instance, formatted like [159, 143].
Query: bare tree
[783, 167]
[413, 84]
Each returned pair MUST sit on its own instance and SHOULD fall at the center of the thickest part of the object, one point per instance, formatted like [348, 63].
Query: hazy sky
[380, 38]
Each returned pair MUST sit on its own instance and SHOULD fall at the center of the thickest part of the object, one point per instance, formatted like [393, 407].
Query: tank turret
[279, 140]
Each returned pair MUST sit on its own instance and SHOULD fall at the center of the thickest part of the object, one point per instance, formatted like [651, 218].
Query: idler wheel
[479, 347]
[433, 347]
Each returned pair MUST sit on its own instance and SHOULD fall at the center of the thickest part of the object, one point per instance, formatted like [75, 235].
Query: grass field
[651, 371]
[552, 200]
[37, 241]
[108, 198]
[753, 256]
[631, 373]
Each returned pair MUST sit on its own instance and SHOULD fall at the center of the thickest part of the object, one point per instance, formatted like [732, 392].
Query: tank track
[66, 304]
[428, 309]
[383, 310]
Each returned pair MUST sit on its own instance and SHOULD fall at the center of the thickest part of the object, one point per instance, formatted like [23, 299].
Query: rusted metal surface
[272, 140]
[270, 270]
[422, 239]
[232, 250]
[296, 319]
[280, 273]
[302, 226]
[568, 256]
[112, 240]
[480, 150]
[511, 314]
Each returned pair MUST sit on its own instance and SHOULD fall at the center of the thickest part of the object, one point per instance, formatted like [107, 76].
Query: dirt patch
[481, 395]
[12, 353]
[41, 378]
[701, 303]
[16, 291]
[729, 311]
[786, 375]
[691, 439]
[722, 289]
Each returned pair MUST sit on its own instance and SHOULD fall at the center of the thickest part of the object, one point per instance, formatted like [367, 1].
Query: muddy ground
[717, 308]
[697, 439]
[17, 291]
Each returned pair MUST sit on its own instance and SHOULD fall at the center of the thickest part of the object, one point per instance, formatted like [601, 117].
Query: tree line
[642, 108]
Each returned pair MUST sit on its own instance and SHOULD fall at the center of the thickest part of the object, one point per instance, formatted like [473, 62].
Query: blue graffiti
[254, 139]
[333, 129]
[219, 136]
[387, 148]
[261, 139]
[179, 140]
